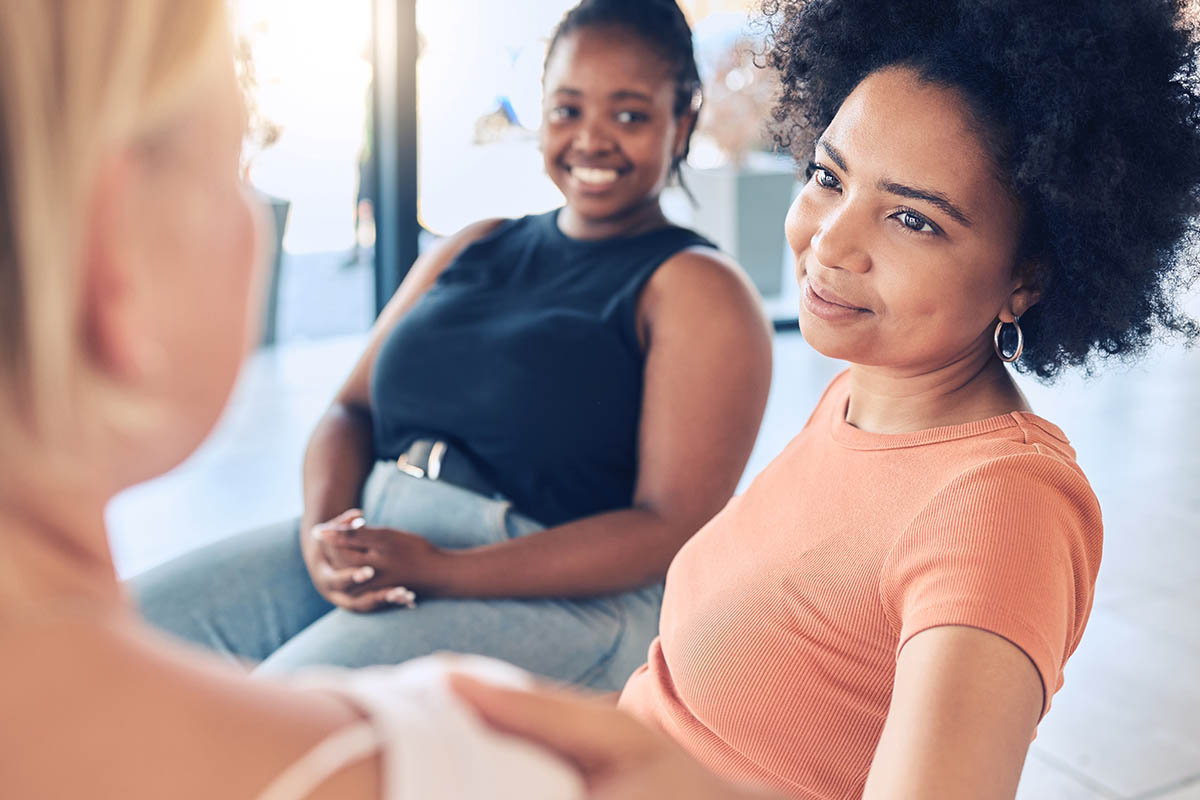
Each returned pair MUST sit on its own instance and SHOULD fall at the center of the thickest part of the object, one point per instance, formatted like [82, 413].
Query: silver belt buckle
[436, 453]
[403, 465]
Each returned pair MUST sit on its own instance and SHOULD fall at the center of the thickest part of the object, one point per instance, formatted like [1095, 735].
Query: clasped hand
[362, 568]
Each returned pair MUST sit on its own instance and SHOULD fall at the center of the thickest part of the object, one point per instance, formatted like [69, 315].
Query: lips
[833, 299]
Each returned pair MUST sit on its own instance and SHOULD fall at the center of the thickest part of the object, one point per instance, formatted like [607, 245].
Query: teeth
[596, 176]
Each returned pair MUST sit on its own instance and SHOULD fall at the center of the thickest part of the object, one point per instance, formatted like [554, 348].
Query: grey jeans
[250, 597]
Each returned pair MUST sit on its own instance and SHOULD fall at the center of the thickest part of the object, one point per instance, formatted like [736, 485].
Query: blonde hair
[78, 78]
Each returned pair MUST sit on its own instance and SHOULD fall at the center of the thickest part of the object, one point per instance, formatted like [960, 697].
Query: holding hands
[362, 568]
[618, 757]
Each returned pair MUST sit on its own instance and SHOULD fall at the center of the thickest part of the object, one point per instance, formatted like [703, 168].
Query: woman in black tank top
[545, 411]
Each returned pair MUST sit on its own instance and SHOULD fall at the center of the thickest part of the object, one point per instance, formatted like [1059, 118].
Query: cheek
[228, 248]
[800, 224]
[233, 326]
[551, 143]
[247, 251]
[984, 293]
[943, 302]
[660, 147]
[217, 275]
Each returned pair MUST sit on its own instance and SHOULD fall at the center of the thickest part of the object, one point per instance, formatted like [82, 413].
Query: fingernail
[401, 597]
[363, 574]
[357, 522]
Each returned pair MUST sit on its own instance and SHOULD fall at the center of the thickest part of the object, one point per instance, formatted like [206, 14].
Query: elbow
[673, 530]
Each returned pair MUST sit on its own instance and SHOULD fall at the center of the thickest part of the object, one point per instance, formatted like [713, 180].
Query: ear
[1026, 292]
[683, 129]
[114, 321]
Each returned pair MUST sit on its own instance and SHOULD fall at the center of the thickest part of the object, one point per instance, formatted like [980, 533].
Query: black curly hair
[661, 25]
[1091, 109]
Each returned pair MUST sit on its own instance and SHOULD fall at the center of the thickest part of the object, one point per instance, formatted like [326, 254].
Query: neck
[56, 554]
[974, 387]
[645, 216]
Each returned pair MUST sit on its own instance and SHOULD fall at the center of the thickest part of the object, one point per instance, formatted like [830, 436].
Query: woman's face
[609, 131]
[904, 238]
[196, 249]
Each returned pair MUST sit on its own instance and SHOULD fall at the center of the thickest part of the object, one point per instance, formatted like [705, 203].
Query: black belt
[437, 460]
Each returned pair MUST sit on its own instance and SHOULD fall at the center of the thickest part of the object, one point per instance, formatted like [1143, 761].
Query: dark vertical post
[395, 131]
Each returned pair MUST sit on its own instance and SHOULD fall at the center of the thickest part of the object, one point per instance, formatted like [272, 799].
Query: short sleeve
[1012, 547]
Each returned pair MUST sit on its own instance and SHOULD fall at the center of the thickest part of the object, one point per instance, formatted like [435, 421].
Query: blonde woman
[127, 254]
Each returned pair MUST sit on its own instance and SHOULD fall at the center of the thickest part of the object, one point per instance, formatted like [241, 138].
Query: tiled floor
[1127, 723]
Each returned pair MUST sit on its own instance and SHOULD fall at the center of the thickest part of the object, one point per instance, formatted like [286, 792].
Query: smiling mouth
[832, 299]
[593, 176]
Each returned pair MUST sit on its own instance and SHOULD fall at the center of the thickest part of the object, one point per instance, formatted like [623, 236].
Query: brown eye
[825, 178]
[915, 222]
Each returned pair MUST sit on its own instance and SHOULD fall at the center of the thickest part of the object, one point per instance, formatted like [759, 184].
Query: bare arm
[707, 373]
[964, 707]
[105, 709]
[340, 451]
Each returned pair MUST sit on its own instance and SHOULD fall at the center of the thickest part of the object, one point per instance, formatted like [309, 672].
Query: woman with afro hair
[887, 610]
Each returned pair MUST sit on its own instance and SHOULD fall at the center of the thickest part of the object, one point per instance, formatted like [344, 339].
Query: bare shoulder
[91, 705]
[704, 270]
[702, 283]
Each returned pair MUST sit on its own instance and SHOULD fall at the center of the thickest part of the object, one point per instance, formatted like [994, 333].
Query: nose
[591, 137]
[839, 241]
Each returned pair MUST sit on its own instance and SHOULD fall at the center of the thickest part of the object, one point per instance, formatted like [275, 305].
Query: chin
[603, 206]
[825, 341]
[184, 428]
[598, 209]
[157, 453]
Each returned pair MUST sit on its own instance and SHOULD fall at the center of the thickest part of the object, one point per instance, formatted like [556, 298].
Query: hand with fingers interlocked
[363, 568]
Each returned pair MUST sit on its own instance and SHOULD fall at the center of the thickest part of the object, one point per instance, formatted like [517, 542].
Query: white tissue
[435, 746]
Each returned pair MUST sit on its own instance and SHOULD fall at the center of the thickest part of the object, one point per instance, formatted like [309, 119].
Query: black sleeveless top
[525, 355]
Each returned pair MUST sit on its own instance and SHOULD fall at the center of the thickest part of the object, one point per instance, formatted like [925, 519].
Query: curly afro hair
[1091, 109]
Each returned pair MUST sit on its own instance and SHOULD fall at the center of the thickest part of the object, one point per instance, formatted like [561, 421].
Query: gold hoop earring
[1016, 323]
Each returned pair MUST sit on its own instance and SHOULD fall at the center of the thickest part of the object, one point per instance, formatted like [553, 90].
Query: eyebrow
[630, 94]
[835, 154]
[891, 187]
[620, 94]
[933, 198]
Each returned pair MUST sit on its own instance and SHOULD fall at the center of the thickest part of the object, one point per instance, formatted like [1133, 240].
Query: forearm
[339, 456]
[612, 552]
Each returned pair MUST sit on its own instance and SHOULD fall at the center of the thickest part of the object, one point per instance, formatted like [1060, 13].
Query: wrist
[452, 572]
[309, 546]
[315, 514]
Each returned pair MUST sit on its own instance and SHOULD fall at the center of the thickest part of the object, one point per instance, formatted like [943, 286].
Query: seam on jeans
[607, 657]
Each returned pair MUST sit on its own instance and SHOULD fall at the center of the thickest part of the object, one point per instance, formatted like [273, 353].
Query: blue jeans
[250, 597]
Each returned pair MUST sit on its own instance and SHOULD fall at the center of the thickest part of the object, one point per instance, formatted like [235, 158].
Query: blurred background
[307, 68]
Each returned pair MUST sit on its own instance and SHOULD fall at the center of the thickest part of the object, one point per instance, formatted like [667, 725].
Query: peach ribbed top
[783, 617]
